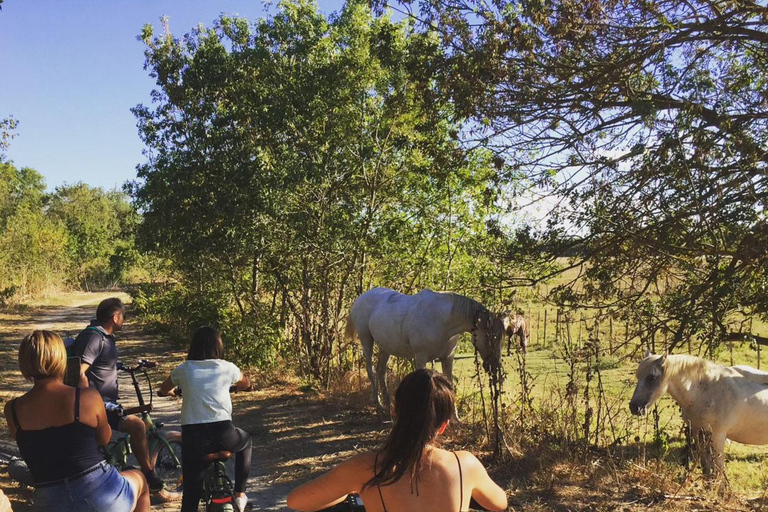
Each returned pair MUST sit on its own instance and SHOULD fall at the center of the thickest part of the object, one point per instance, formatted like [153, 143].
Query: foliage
[50, 241]
[33, 255]
[293, 163]
[98, 223]
[644, 126]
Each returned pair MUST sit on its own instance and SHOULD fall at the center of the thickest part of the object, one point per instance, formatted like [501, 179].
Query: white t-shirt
[205, 386]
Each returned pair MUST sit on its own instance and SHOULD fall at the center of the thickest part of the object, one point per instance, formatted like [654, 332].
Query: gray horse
[421, 327]
[514, 325]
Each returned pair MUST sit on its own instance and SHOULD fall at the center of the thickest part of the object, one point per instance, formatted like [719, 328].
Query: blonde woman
[59, 429]
[410, 472]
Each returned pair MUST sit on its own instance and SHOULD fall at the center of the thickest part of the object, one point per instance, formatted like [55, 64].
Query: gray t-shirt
[97, 348]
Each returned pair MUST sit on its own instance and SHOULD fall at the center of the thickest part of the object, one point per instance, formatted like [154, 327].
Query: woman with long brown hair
[410, 472]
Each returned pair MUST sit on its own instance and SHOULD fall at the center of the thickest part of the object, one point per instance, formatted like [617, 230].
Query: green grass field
[547, 364]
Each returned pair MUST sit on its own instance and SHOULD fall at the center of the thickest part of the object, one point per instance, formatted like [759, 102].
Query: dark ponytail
[423, 402]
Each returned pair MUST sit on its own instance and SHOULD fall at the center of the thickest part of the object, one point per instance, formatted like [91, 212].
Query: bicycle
[218, 490]
[164, 448]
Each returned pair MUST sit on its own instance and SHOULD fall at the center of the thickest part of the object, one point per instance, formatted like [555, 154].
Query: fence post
[610, 334]
[544, 340]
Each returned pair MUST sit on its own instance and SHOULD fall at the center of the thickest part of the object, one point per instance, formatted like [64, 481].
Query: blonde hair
[42, 355]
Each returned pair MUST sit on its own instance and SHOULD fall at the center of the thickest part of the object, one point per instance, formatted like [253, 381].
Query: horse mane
[689, 367]
[465, 306]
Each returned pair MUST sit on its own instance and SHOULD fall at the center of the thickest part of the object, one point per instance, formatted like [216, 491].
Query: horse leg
[718, 452]
[381, 372]
[446, 364]
[509, 345]
[367, 340]
[524, 343]
[711, 448]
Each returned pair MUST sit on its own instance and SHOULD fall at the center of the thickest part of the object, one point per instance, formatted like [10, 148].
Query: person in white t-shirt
[206, 415]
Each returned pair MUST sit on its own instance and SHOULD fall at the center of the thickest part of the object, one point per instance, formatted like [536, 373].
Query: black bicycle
[164, 448]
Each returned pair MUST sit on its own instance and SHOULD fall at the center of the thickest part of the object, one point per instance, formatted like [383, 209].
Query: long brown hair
[423, 403]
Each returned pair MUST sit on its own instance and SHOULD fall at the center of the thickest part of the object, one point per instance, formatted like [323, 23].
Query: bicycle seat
[222, 455]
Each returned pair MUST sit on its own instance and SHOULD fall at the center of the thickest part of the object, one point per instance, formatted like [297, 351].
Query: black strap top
[56, 453]
[461, 483]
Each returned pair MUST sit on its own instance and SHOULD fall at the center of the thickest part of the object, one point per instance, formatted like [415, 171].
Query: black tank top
[56, 453]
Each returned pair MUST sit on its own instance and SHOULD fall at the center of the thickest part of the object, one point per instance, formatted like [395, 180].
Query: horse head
[651, 383]
[487, 337]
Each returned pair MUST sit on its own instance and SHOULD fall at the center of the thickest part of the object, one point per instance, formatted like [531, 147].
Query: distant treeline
[76, 236]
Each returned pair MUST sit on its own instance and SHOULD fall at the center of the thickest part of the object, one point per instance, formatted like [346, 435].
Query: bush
[176, 311]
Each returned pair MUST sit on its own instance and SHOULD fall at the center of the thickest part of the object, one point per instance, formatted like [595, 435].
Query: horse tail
[349, 332]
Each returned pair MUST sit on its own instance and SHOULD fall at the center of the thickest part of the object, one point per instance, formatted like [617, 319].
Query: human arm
[243, 384]
[91, 401]
[88, 347]
[166, 388]
[9, 419]
[83, 379]
[239, 380]
[332, 487]
[485, 491]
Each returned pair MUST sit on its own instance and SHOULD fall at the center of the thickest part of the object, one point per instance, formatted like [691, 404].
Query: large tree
[643, 127]
[294, 163]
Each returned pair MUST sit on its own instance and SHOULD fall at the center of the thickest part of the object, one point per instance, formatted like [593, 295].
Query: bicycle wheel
[166, 467]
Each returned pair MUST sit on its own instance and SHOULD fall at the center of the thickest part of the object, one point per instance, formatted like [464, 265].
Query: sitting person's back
[410, 473]
[59, 429]
[56, 430]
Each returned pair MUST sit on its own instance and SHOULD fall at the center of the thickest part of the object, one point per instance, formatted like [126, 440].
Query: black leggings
[201, 439]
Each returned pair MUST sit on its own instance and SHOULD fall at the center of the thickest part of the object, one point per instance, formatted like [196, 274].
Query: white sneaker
[241, 502]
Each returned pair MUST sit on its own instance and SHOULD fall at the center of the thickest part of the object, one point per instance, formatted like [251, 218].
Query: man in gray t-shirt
[97, 350]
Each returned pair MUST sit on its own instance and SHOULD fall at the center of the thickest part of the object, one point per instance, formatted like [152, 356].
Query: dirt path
[295, 434]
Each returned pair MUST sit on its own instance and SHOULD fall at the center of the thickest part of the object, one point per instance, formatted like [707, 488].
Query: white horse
[718, 402]
[421, 327]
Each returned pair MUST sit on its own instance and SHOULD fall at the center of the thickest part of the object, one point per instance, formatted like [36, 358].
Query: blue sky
[71, 70]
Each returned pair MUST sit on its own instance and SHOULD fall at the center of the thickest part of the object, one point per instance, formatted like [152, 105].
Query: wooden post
[538, 323]
[758, 356]
[610, 334]
[578, 338]
[730, 351]
[626, 335]
[544, 339]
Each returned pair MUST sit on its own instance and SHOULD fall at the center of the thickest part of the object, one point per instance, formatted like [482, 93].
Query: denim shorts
[103, 489]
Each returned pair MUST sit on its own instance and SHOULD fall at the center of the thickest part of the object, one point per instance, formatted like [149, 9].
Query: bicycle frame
[218, 491]
[117, 452]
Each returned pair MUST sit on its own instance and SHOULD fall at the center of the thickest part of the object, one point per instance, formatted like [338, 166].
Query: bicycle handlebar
[141, 364]
[352, 503]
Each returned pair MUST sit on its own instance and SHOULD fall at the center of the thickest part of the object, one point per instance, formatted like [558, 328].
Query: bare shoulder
[469, 462]
[90, 397]
[362, 461]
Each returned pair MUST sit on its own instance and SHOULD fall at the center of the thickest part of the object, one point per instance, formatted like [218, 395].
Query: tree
[646, 124]
[97, 222]
[293, 163]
